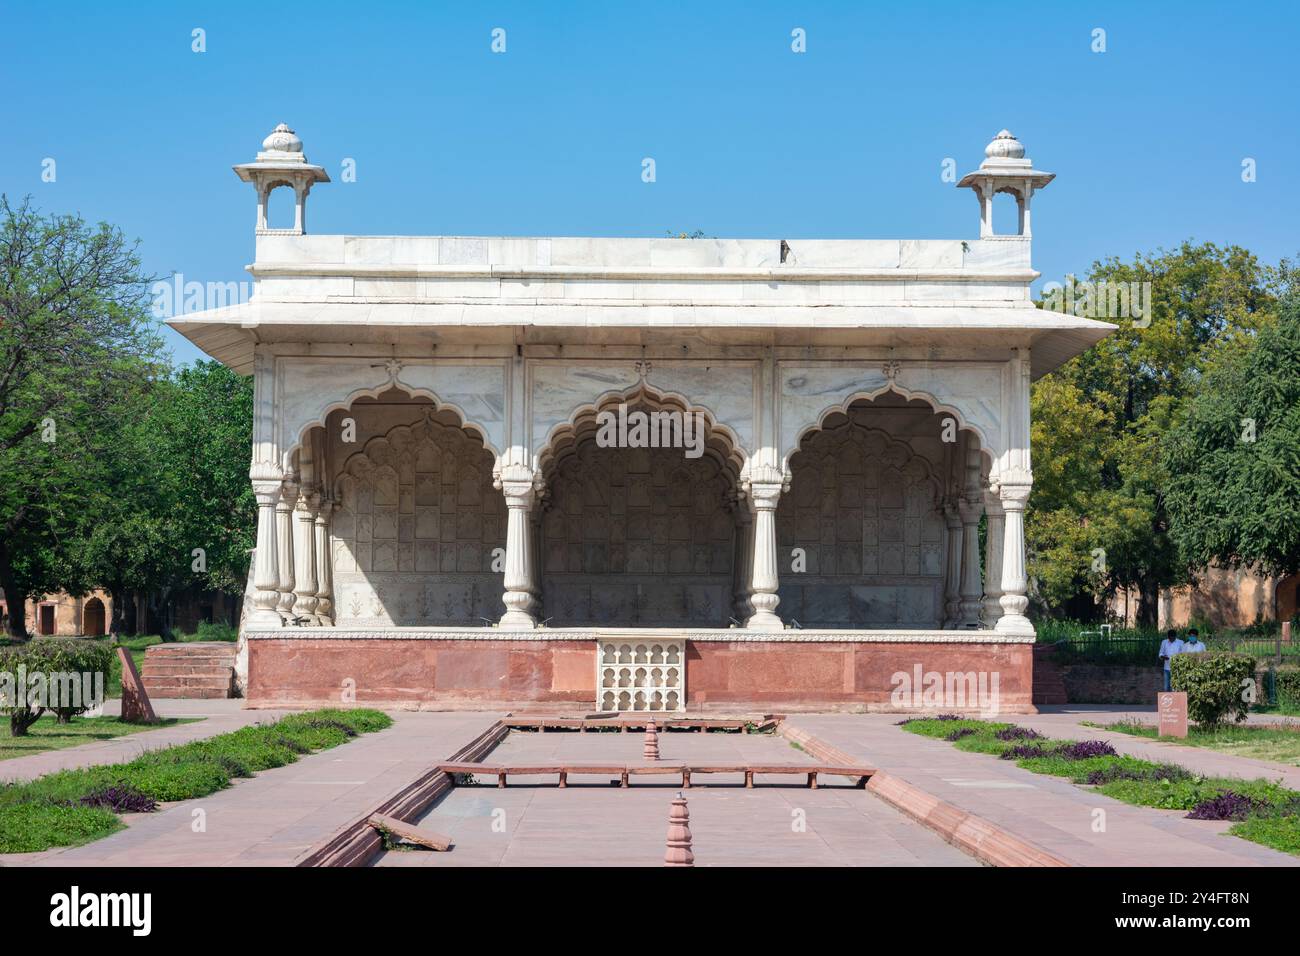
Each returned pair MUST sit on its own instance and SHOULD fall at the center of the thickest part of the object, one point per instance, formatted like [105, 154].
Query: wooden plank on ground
[410, 832]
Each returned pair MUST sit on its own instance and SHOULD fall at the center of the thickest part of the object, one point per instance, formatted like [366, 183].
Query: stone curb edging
[357, 842]
[986, 841]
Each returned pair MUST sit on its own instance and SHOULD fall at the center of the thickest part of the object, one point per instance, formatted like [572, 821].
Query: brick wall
[1102, 684]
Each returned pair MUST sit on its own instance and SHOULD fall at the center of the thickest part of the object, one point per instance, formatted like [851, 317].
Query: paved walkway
[219, 717]
[275, 817]
[1050, 811]
[593, 824]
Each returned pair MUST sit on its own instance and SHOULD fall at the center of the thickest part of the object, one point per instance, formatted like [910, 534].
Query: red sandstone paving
[594, 825]
[219, 717]
[275, 817]
[1050, 811]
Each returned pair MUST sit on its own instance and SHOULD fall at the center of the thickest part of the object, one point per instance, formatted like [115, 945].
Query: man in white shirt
[1193, 644]
[1170, 648]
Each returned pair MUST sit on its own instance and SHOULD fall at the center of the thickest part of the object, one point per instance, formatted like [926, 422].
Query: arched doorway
[92, 618]
[869, 534]
[416, 522]
[638, 536]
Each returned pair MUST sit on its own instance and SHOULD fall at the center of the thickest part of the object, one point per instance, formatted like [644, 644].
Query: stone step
[187, 693]
[202, 669]
[223, 649]
[181, 666]
[189, 680]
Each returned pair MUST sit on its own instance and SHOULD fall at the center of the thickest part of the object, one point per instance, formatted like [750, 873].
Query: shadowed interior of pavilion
[878, 529]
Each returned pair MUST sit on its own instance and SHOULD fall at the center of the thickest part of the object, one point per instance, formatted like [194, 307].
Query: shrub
[1287, 683]
[1023, 752]
[1228, 805]
[75, 671]
[120, 799]
[1215, 685]
[216, 631]
[1018, 733]
[1136, 771]
[1083, 749]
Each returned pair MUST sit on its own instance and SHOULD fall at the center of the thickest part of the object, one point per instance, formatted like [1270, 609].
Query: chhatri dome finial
[1005, 169]
[282, 140]
[1005, 146]
[282, 163]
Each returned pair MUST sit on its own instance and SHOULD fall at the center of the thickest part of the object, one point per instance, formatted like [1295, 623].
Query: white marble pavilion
[439, 524]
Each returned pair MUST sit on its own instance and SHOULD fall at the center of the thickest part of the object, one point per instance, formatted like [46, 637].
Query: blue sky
[750, 139]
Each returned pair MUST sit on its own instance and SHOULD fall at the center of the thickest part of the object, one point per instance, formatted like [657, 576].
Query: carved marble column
[284, 546]
[993, 558]
[952, 574]
[266, 573]
[1015, 584]
[324, 570]
[304, 551]
[971, 591]
[518, 485]
[741, 608]
[764, 496]
[970, 507]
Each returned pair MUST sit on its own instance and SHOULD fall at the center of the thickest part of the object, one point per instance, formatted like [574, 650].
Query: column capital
[764, 486]
[520, 485]
[266, 491]
[1014, 497]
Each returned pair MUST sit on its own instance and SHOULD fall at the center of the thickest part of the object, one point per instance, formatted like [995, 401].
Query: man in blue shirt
[1170, 648]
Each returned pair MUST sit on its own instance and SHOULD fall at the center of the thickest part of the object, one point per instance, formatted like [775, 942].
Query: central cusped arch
[637, 534]
[416, 524]
[863, 521]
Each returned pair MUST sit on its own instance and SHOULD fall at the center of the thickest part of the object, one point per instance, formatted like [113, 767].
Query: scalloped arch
[908, 459]
[480, 431]
[721, 441]
[940, 408]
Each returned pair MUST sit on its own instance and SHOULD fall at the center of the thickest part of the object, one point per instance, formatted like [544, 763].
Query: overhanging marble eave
[229, 334]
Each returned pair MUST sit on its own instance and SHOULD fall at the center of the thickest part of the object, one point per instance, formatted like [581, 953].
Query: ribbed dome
[1005, 146]
[284, 140]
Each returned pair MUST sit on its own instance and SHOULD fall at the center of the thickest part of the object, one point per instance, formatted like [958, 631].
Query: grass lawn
[72, 807]
[49, 734]
[1263, 811]
[1262, 743]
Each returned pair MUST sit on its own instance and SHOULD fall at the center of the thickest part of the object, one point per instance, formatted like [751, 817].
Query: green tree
[1098, 517]
[1233, 460]
[180, 513]
[75, 337]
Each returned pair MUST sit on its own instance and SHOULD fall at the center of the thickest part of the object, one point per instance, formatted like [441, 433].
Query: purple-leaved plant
[959, 733]
[1083, 749]
[1023, 751]
[120, 799]
[1228, 805]
[1018, 733]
